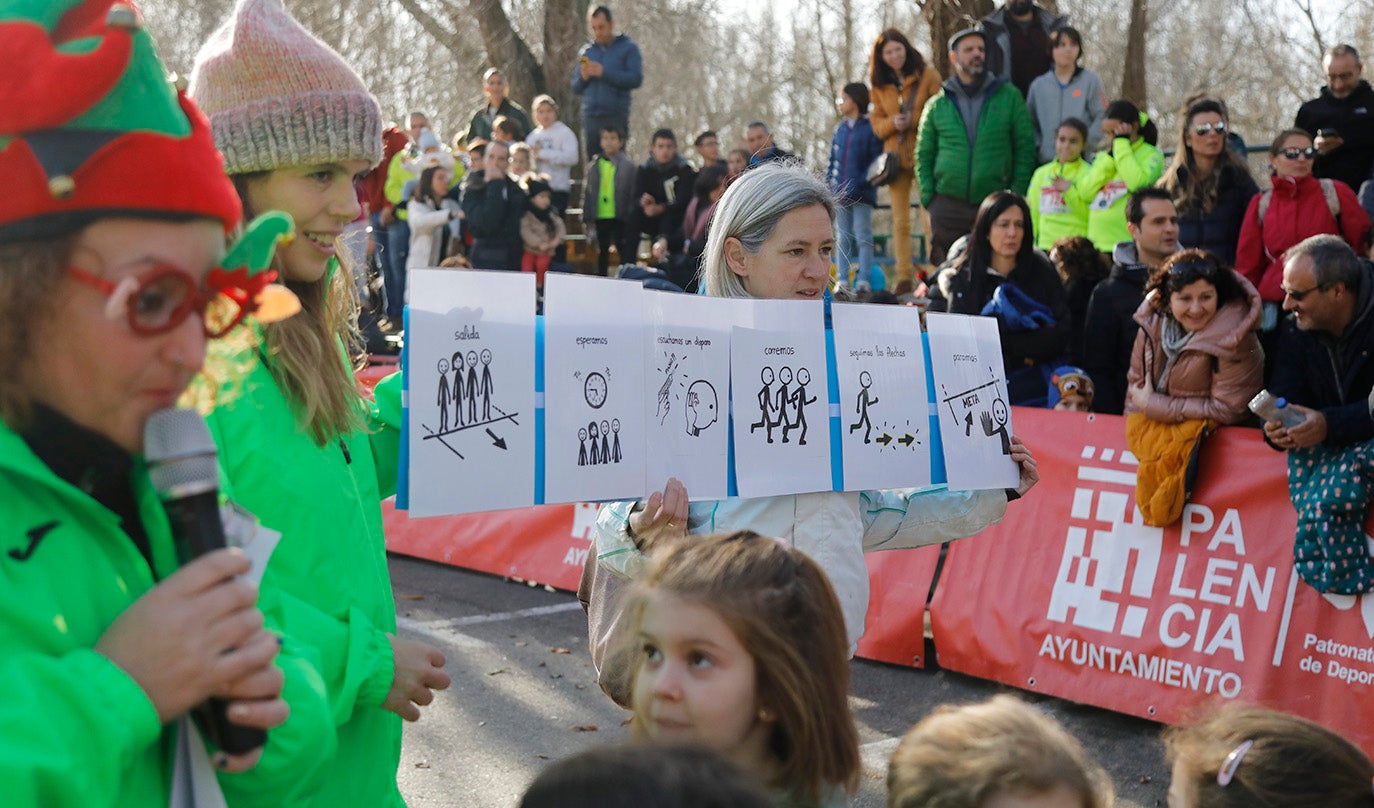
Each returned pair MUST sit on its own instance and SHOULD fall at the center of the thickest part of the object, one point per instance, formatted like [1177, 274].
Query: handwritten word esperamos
[779, 350]
[671, 340]
[467, 332]
[584, 341]
[877, 351]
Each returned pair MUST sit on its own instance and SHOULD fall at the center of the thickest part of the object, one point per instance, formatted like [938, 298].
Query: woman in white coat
[771, 237]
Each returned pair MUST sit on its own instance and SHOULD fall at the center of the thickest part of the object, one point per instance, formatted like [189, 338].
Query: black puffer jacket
[1109, 328]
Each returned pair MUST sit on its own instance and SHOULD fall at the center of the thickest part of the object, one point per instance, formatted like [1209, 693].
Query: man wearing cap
[975, 137]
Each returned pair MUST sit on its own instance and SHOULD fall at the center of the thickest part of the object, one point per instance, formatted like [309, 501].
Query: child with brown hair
[997, 754]
[1245, 756]
[743, 650]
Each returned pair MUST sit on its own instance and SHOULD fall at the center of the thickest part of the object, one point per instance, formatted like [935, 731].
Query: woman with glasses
[1297, 207]
[109, 294]
[1210, 184]
[1196, 355]
[300, 445]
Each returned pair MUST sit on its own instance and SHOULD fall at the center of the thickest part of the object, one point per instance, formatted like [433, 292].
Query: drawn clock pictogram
[594, 389]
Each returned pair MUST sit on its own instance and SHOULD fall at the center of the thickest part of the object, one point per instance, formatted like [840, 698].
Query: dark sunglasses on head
[161, 298]
[1208, 128]
[1293, 153]
[1204, 268]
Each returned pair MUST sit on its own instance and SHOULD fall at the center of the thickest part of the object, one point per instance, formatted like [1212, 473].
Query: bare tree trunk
[565, 30]
[947, 17]
[1134, 87]
[508, 51]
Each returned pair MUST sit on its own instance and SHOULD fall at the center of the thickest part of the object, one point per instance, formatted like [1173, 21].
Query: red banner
[1071, 595]
[899, 582]
[545, 544]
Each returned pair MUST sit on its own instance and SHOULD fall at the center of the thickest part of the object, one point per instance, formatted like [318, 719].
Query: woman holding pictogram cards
[771, 237]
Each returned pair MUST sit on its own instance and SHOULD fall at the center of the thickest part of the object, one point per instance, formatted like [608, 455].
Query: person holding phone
[1341, 120]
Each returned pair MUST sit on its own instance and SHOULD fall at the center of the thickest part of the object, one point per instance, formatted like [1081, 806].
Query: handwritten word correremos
[963, 357]
[467, 332]
[780, 350]
[592, 341]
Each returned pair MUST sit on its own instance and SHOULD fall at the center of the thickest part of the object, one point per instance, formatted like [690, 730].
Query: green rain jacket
[1111, 178]
[1003, 152]
[330, 569]
[75, 729]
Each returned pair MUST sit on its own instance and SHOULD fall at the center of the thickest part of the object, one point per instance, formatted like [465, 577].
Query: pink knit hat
[277, 96]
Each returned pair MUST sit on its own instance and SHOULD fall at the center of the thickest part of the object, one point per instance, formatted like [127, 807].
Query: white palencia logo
[1107, 574]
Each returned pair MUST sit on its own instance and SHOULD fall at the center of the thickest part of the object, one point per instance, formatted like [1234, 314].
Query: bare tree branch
[1305, 7]
[446, 37]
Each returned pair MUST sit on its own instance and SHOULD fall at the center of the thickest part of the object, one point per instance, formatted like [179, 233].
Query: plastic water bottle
[1271, 408]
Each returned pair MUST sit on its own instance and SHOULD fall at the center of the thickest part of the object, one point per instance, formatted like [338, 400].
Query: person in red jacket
[1298, 206]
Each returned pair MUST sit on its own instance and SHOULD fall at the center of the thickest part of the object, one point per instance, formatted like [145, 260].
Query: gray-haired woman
[771, 238]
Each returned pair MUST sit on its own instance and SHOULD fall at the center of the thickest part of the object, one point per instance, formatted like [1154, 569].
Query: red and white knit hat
[277, 96]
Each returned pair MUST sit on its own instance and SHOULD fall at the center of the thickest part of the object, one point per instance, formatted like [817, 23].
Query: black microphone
[184, 467]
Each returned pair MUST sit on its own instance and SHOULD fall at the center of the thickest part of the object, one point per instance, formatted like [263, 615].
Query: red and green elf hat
[91, 126]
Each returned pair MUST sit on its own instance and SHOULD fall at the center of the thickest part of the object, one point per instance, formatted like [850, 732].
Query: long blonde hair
[314, 353]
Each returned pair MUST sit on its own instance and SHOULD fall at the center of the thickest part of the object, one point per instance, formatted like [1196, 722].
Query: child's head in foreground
[743, 650]
[632, 776]
[1002, 753]
[1246, 756]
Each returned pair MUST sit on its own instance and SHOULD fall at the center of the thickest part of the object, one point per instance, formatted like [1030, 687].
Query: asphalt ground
[524, 694]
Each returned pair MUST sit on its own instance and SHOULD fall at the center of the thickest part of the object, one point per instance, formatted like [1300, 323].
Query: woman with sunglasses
[1196, 355]
[109, 292]
[1210, 184]
[1297, 207]
[300, 445]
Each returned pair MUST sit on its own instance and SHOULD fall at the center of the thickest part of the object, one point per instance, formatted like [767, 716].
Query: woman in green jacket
[1057, 208]
[109, 291]
[1127, 160]
[300, 446]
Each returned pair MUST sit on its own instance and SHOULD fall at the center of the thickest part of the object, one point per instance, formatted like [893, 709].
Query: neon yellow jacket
[1056, 214]
[1111, 179]
[330, 569]
[75, 729]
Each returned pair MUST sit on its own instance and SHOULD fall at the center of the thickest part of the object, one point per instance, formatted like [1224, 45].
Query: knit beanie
[91, 125]
[1067, 381]
[277, 96]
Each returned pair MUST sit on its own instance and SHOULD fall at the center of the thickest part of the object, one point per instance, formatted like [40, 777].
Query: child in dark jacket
[852, 149]
[610, 199]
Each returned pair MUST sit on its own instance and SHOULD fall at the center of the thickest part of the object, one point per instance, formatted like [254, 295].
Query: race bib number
[1108, 196]
[1052, 201]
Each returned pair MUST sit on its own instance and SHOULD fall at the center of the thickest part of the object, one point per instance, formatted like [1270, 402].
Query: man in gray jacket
[608, 68]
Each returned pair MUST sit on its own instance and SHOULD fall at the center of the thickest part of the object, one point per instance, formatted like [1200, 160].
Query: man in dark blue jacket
[493, 205]
[608, 68]
[1323, 364]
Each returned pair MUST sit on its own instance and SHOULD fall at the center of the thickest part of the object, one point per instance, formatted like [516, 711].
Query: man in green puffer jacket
[975, 137]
